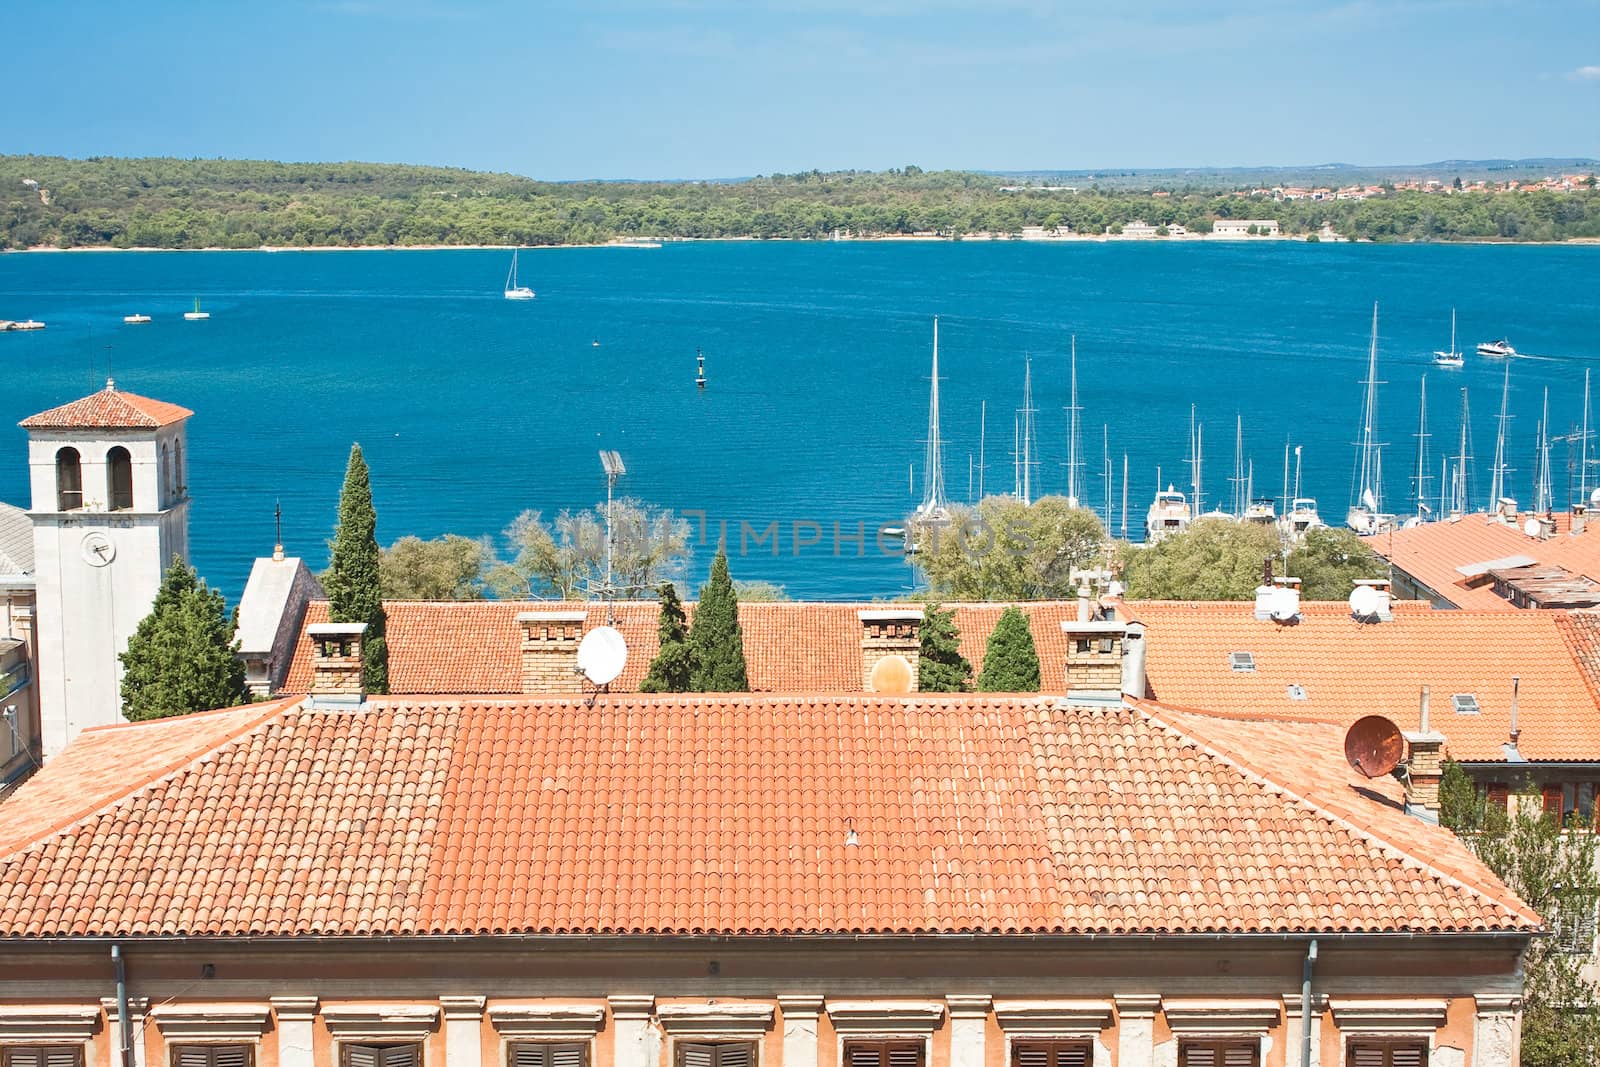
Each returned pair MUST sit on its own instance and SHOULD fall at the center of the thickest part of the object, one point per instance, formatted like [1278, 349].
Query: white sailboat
[136, 319]
[1366, 512]
[196, 315]
[1451, 359]
[1301, 514]
[513, 290]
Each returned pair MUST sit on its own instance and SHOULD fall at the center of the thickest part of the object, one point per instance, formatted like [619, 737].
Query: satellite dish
[602, 654]
[1374, 746]
[1594, 499]
[1365, 602]
[1285, 605]
[1531, 527]
[891, 675]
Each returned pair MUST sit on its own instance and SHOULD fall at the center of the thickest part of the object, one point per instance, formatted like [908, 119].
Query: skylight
[1242, 662]
[1465, 703]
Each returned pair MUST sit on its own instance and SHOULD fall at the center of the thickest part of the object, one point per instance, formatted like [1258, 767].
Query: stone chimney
[550, 651]
[1134, 680]
[891, 649]
[1094, 657]
[1580, 518]
[338, 676]
[1505, 510]
[1425, 768]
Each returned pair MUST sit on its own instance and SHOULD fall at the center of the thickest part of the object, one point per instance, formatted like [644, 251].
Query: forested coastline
[171, 203]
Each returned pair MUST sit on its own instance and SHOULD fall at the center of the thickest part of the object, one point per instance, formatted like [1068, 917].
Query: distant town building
[1138, 229]
[1243, 228]
[19, 668]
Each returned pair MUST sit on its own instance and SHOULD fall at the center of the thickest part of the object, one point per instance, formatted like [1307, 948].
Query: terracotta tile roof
[1582, 631]
[1431, 552]
[724, 815]
[109, 409]
[475, 646]
[1349, 669]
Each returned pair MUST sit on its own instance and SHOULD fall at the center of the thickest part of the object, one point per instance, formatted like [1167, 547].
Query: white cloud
[1586, 74]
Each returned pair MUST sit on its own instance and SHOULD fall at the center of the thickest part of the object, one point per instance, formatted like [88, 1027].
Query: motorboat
[1501, 347]
[135, 320]
[1169, 514]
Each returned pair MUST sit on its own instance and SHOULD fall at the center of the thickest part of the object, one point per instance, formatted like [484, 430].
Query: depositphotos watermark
[741, 537]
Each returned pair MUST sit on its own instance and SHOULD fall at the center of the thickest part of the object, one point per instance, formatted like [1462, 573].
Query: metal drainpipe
[122, 1006]
[1305, 1004]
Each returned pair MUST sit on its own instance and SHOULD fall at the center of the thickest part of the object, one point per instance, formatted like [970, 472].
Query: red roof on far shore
[109, 409]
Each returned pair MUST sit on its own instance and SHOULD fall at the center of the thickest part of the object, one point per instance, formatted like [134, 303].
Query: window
[1497, 795]
[883, 1054]
[1574, 923]
[548, 1054]
[1465, 704]
[213, 1055]
[716, 1054]
[166, 475]
[41, 1056]
[69, 480]
[119, 479]
[177, 469]
[397, 1055]
[1242, 662]
[1550, 798]
[1231, 1053]
[1408, 1053]
[1051, 1054]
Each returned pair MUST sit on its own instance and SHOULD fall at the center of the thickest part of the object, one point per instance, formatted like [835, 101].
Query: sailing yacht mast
[934, 505]
[1423, 468]
[1497, 480]
[1194, 464]
[983, 418]
[1125, 495]
[1583, 449]
[1543, 496]
[1369, 493]
[1105, 467]
[1074, 485]
[1238, 479]
[1463, 480]
[1029, 441]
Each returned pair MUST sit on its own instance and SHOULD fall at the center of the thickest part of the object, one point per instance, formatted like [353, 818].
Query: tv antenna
[611, 463]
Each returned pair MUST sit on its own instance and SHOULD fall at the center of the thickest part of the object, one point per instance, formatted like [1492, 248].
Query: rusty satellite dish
[1374, 746]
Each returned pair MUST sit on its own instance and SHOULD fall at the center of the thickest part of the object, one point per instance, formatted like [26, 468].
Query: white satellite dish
[1365, 602]
[1531, 527]
[602, 654]
[1285, 605]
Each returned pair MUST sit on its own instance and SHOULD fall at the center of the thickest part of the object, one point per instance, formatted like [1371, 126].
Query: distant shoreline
[651, 243]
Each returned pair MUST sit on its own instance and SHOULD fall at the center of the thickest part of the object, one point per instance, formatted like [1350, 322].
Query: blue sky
[719, 88]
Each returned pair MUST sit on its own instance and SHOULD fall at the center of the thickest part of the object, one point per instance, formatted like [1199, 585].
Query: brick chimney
[550, 651]
[891, 649]
[1094, 657]
[1425, 767]
[1580, 518]
[338, 676]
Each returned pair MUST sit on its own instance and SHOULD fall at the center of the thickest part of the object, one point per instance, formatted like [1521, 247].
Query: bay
[471, 408]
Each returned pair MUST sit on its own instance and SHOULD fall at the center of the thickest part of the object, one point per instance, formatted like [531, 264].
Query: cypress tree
[672, 671]
[181, 657]
[715, 637]
[941, 668]
[1010, 662]
[355, 588]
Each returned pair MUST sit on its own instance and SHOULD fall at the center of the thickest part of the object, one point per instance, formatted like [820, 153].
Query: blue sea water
[472, 408]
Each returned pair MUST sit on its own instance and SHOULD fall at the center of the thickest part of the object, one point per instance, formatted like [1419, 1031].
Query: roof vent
[1242, 662]
[1297, 692]
[1465, 704]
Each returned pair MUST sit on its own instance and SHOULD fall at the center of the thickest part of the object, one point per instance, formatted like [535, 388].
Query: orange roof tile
[1349, 669]
[109, 409]
[1582, 631]
[1431, 552]
[790, 647]
[728, 815]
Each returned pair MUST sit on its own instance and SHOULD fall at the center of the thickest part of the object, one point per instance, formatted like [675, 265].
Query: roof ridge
[1386, 846]
[273, 709]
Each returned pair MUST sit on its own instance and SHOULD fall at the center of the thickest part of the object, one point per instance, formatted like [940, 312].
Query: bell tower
[110, 509]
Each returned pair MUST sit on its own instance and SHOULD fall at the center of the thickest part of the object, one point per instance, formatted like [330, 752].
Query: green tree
[567, 558]
[446, 568]
[672, 671]
[181, 657]
[1553, 870]
[756, 592]
[716, 638]
[354, 580]
[1007, 550]
[1329, 561]
[1214, 559]
[1010, 661]
[941, 668]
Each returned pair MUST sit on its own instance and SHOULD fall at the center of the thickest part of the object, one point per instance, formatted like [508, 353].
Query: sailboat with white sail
[934, 506]
[1366, 514]
[513, 290]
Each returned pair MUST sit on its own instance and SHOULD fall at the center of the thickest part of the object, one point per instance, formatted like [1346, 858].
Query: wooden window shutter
[529, 1054]
[24, 1056]
[883, 1054]
[548, 1054]
[905, 1054]
[361, 1055]
[1498, 795]
[860, 1055]
[1241, 1055]
[1245, 1053]
[572, 1054]
[1552, 801]
[1388, 1054]
[735, 1055]
[1051, 1054]
[401, 1056]
[42, 1056]
[716, 1054]
[63, 1056]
